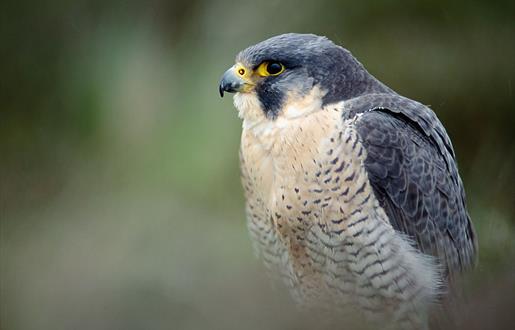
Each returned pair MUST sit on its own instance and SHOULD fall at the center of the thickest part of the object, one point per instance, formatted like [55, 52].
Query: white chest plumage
[313, 216]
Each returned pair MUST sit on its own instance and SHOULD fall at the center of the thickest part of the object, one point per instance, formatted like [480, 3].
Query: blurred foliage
[120, 201]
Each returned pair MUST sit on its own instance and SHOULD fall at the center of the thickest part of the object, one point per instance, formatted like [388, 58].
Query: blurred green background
[120, 201]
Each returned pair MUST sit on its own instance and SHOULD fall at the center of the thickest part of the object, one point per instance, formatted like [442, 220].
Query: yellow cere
[265, 69]
[242, 71]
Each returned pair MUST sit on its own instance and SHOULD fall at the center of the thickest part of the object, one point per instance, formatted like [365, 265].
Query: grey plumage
[412, 168]
[312, 61]
[352, 191]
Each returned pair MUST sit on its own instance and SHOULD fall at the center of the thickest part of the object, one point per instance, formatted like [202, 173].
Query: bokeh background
[120, 202]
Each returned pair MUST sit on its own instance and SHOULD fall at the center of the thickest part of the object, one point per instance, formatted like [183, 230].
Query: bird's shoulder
[411, 166]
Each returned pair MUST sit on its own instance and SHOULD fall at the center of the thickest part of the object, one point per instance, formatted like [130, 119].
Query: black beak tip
[221, 90]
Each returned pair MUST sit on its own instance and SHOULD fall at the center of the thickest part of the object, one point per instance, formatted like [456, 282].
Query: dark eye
[274, 68]
[266, 69]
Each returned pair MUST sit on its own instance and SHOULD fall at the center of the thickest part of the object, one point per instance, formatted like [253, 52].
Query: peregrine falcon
[352, 191]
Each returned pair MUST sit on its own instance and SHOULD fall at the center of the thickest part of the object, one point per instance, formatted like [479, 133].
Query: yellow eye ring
[266, 69]
[241, 71]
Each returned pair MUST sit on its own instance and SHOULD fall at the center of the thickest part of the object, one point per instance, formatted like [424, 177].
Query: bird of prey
[352, 191]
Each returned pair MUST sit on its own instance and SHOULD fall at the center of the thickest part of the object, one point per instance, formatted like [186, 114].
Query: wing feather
[412, 169]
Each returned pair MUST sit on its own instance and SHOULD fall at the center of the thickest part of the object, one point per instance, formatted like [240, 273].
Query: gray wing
[413, 172]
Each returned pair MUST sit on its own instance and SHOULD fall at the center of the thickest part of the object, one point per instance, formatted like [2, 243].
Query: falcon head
[293, 75]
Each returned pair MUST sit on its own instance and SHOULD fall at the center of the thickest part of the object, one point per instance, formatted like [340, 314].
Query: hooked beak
[231, 82]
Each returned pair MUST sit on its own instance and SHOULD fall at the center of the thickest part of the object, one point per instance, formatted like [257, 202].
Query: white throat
[296, 107]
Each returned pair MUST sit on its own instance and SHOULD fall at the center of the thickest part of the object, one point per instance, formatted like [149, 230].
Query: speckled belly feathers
[314, 218]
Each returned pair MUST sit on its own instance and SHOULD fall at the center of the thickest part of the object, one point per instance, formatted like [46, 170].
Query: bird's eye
[274, 68]
[270, 69]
